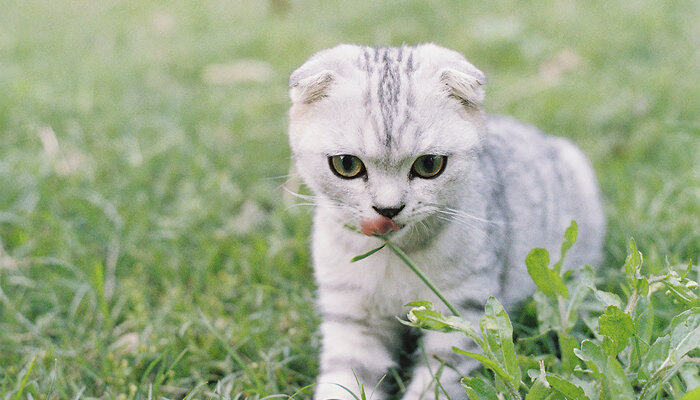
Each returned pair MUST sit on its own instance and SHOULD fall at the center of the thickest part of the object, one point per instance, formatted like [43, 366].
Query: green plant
[618, 355]
[162, 176]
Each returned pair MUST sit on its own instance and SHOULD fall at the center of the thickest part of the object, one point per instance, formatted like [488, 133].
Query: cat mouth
[379, 225]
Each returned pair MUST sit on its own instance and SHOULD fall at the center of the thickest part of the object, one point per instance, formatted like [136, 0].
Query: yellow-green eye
[346, 166]
[428, 166]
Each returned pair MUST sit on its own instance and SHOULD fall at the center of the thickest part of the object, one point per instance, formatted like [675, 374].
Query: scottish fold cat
[394, 141]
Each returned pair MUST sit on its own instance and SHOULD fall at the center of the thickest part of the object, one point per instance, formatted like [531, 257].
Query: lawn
[145, 238]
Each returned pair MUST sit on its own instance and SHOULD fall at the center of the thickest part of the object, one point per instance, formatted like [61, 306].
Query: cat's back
[537, 185]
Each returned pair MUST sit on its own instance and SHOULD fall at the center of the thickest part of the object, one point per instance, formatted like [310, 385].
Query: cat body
[503, 189]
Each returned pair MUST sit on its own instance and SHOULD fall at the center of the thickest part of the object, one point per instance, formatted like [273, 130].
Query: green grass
[154, 246]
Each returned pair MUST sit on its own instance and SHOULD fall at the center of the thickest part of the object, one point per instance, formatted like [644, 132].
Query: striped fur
[506, 189]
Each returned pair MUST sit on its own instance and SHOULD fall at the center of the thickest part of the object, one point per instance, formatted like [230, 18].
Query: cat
[394, 141]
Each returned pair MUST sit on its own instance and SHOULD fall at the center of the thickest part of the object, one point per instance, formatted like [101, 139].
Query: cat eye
[428, 166]
[346, 166]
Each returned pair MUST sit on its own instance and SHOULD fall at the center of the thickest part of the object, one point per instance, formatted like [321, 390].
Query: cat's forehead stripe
[388, 90]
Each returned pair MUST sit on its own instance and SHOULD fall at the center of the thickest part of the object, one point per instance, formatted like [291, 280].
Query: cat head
[388, 133]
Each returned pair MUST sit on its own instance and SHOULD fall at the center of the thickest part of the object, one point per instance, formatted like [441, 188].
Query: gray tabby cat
[394, 141]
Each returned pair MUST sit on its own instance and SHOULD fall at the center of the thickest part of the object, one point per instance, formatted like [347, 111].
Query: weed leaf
[607, 299]
[685, 333]
[617, 327]
[606, 369]
[567, 344]
[488, 363]
[592, 355]
[424, 315]
[569, 390]
[547, 280]
[498, 331]
[569, 240]
[538, 391]
[478, 389]
[616, 383]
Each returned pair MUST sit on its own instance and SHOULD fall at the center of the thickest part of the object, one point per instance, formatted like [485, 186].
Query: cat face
[385, 133]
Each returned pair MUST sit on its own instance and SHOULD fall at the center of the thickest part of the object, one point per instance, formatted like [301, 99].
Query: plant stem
[422, 277]
[563, 316]
[632, 302]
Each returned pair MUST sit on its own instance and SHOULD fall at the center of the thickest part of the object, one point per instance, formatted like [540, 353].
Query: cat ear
[312, 81]
[467, 85]
[309, 88]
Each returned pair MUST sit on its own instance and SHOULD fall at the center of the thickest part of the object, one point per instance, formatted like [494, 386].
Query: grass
[145, 241]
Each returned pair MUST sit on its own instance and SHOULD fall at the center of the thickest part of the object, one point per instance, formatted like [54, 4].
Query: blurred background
[145, 238]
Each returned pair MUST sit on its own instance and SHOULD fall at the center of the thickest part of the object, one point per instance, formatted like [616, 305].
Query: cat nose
[389, 212]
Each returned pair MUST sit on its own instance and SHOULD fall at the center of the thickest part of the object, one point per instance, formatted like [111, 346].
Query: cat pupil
[347, 162]
[429, 163]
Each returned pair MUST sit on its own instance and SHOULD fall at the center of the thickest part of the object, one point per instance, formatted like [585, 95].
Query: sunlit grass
[143, 235]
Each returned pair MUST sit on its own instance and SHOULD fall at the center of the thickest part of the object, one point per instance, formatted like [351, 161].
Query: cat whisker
[462, 222]
[466, 228]
[299, 205]
[299, 195]
[274, 178]
[464, 214]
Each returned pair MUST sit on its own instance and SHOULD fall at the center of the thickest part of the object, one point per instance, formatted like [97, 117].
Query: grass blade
[236, 357]
[23, 383]
[367, 254]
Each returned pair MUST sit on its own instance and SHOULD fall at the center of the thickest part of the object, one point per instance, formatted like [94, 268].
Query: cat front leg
[354, 348]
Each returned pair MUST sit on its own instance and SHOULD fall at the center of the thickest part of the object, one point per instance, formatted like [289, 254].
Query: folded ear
[309, 88]
[467, 85]
[312, 81]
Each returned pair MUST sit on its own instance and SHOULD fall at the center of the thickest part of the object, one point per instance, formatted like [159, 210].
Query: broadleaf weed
[621, 354]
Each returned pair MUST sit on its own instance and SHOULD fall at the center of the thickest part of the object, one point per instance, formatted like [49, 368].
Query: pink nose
[378, 226]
